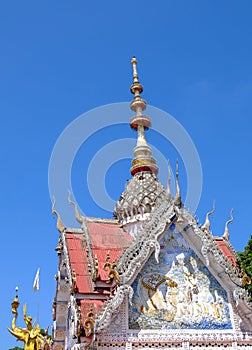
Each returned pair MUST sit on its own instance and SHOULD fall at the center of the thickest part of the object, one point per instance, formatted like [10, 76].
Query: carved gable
[179, 292]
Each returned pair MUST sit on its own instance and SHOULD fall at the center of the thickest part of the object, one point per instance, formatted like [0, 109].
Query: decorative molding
[139, 199]
[146, 240]
[210, 249]
[169, 336]
[91, 259]
[104, 318]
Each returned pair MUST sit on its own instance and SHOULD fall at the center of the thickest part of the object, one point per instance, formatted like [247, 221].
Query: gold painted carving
[110, 267]
[30, 336]
[89, 323]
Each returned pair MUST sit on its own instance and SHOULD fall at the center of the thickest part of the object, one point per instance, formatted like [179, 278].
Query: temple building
[152, 277]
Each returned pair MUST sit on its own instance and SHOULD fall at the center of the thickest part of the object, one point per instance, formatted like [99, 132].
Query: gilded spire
[226, 231]
[177, 200]
[143, 160]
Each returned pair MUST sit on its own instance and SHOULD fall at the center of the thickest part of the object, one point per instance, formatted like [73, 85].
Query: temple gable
[179, 292]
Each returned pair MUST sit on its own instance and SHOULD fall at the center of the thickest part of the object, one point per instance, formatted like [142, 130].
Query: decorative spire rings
[139, 122]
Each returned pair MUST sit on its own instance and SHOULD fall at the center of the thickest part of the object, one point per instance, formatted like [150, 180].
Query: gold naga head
[15, 305]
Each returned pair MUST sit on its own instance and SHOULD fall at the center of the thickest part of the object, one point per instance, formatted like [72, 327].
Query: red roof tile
[79, 262]
[226, 251]
[107, 237]
[86, 305]
[104, 237]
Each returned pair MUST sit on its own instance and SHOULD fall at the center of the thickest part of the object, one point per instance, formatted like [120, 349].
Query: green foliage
[45, 333]
[16, 348]
[245, 261]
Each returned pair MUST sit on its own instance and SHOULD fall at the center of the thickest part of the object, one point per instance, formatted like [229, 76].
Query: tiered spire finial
[143, 160]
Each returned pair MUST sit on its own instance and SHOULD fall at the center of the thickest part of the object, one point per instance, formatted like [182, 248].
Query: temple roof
[105, 237]
[108, 237]
[100, 238]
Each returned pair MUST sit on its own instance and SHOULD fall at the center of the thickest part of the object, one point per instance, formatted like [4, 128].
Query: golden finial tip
[133, 60]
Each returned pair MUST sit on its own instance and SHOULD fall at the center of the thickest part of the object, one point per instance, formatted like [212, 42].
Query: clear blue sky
[61, 58]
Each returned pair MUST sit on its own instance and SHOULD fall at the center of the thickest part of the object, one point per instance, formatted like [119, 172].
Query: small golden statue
[31, 337]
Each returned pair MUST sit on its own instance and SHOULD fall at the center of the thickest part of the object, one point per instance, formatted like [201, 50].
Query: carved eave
[65, 281]
[67, 291]
[87, 249]
[91, 257]
[93, 264]
[90, 278]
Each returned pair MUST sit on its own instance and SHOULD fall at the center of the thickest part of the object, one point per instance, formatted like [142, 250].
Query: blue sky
[60, 59]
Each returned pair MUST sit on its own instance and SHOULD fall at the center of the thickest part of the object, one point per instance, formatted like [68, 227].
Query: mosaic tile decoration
[179, 292]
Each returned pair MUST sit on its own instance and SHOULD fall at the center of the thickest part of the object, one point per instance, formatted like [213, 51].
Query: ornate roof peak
[78, 217]
[206, 225]
[60, 226]
[226, 231]
[143, 160]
